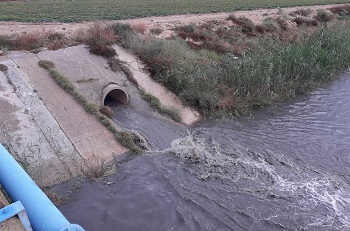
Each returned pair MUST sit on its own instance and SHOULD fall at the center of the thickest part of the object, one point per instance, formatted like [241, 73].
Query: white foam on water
[308, 187]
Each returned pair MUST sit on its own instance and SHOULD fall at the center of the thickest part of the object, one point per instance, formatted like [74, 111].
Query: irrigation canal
[283, 170]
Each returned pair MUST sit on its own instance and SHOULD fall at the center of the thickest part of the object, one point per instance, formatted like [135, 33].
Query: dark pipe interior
[118, 95]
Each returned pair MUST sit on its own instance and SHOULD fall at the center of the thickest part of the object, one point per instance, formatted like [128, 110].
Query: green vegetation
[97, 167]
[217, 81]
[155, 103]
[124, 138]
[33, 41]
[3, 67]
[89, 10]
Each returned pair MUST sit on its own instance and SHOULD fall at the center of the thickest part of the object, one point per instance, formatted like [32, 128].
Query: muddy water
[282, 170]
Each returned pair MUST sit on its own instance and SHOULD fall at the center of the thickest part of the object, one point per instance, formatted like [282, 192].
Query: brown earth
[164, 22]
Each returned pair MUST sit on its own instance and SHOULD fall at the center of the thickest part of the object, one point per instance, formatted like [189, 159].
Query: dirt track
[164, 22]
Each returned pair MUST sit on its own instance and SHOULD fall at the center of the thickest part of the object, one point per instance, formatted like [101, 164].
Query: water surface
[282, 170]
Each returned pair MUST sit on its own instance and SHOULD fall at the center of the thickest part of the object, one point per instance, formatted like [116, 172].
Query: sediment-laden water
[283, 170]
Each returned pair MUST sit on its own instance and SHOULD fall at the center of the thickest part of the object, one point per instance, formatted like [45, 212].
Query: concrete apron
[44, 127]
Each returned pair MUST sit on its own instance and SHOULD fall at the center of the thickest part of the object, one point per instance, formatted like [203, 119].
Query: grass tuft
[107, 111]
[3, 68]
[155, 103]
[97, 168]
[46, 64]
[156, 30]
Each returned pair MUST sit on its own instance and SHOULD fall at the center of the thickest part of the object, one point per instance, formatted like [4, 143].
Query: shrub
[139, 27]
[99, 34]
[305, 21]
[246, 24]
[218, 46]
[324, 16]
[156, 30]
[188, 28]
[283, 23]
[7, 42]
[302, 12]
[101, 49]
[340, 10]
[128, 36]
[29, 41]
[267, 71]
[120, 29]
[55, 40]
[271, 25]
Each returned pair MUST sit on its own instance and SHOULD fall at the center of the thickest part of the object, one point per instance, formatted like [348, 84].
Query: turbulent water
[283, 170]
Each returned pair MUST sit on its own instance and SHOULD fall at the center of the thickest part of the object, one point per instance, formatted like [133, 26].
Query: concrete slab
[167, 98]
[88, 136]
[22, 135]
[44, 127]
[90, 74]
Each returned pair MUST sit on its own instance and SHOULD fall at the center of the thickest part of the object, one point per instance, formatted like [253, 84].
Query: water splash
[322, 196]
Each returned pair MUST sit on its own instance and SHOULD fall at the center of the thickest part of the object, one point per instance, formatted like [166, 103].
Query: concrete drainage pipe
[116, 92]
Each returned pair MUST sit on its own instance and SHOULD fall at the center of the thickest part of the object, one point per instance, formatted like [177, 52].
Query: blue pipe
[43, 214]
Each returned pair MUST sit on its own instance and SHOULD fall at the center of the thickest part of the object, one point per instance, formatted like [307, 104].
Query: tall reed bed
[268, 72]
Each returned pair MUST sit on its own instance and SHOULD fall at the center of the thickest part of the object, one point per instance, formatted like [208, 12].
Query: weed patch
[96, 168]
[3, 68]
[156, 30]
[302, 12]
[268, 71]
[139, 27]
[86, 80]
[324, 16]
[155, 103]
[107, 111]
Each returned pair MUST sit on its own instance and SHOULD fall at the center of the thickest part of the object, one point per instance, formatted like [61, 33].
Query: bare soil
[166, 23]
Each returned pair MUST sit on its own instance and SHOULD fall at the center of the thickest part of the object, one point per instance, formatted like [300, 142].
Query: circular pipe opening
[115, 92]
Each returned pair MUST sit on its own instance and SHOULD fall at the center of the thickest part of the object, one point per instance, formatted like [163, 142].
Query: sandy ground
[12, 224]
[164, 22]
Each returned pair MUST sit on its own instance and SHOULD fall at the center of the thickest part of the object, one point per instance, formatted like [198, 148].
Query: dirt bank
[164, 22]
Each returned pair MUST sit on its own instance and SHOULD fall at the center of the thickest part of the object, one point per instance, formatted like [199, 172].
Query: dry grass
[55, 40]
[246, 24]
[139, 27]
[103, 50]
[156, 30]
[324, 16]
[96, 168]
[302, 12]
[305, 21]
[29, 41]
[107, 111]
[340, 10]
[98, 33]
